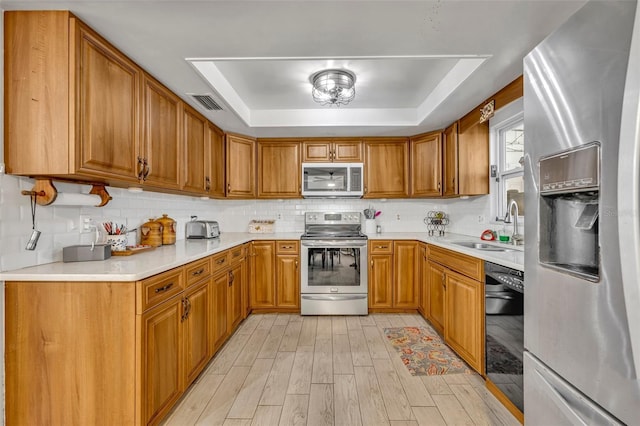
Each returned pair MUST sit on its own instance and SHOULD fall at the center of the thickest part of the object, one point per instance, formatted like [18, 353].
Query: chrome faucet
[516, 238]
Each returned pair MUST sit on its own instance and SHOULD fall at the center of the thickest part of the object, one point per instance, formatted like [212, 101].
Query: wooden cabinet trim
[156, 289]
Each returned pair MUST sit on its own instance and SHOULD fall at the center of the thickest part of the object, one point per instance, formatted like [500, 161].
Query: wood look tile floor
[282, 369]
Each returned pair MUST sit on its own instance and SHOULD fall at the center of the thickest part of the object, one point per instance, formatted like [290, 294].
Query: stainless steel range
[334, 264]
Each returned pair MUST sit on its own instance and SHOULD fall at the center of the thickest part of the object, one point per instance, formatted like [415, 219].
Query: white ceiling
[419, 64]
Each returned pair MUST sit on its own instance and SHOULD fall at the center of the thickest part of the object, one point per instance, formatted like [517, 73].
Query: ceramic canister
[168, 229]
[151, 233]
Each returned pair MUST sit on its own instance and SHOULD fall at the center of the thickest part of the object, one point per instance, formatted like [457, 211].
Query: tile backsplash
[60, 225]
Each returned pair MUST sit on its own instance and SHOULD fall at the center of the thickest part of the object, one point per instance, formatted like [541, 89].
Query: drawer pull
[382, 247]
[165, 288]
[287, 247]
[198, 272]
[221, 261]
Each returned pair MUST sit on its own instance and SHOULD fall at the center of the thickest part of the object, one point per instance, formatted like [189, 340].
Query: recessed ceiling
[419, 64]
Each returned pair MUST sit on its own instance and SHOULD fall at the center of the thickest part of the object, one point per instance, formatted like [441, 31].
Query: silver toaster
[201, 229]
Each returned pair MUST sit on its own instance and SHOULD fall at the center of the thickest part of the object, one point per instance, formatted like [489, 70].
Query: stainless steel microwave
[332, 180]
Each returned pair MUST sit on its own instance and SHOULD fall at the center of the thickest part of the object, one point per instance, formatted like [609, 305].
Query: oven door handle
[330, 243]
[501, 296]
[334, 297]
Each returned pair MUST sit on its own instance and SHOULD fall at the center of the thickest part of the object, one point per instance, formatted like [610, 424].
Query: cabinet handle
[372, 263]
[221, 261]
[286, 247]
[207, 185]
[228, 188]
[365, 190]
[198, 272]
[382, 247]
[165, 288]
[296, 264]
[438, 186]
[184, 309]
[231, 278]
[140, 168]
[146, 167]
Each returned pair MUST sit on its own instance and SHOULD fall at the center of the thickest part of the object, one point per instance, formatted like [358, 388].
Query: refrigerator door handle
[561, 402]
[628, 195]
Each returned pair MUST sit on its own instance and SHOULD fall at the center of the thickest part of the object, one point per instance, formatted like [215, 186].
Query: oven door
[334, 266]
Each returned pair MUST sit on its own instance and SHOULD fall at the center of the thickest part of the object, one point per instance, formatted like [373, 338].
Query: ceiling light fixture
[333, 87]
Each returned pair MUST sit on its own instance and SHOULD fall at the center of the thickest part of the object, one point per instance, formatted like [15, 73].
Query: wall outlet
[279, 216]
[398, 216]
[87, 225]
[480, 218]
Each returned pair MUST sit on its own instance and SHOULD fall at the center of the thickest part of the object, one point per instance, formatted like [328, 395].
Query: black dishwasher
[504, 325]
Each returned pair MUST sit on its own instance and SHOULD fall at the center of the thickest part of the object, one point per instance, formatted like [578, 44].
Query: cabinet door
[288, 281]
[234, 297]
[194, 151]
[241, 165]
[161, 359]
[263, 289]
[450, 163]
[196, 330]
[279, 169]
[426, 170]
[246, 293]
[386, 168]
[162, 138]
[318, 151]
[436, 288]
[218, 322]
[215, 179]
[347, 151]
[406, 279]
[108, 110]
[463, 323]
[423, 301]
[473, 157]
[380, 281]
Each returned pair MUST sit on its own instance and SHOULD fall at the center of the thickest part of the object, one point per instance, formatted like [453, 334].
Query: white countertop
[143, 265]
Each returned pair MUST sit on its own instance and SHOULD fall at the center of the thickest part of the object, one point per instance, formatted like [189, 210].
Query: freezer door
[550, 400]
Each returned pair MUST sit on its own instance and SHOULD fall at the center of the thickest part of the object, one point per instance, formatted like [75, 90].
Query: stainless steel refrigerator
[582, 255]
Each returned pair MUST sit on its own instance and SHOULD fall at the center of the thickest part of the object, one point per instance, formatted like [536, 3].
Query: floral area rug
[424, 353]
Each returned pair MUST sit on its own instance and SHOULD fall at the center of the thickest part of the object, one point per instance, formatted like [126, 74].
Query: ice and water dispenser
[569, 198]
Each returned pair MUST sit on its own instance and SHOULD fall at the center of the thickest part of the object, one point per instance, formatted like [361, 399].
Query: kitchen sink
[482, 246]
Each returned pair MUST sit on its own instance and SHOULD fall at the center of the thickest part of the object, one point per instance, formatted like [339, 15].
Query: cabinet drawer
[381, 247]
[458, 262]
[219, 261]
[155, 290]
[196, 271]
[236, 254]
[287, 247]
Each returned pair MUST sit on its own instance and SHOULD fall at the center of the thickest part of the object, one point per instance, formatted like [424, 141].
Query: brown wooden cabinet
[195, 152]
[434, 276]
[380, 271]
[162, 135]
[450, 161]
[464, 315]
[218, 321]
[279, 169]
[456, 302]
[162, 375]
[406, 270]
[196, 329]
[288, 274]
[332, 150]
[215, 179]
[240, 166]
[234, 295]
[423, 299]
[74, 107]
[262, 265]
[386, 168]
[426, 165]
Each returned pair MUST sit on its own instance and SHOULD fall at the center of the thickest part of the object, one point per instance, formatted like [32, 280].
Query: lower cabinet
[275, 275]
[234, 295]
[161, 359]
[455, 305]
[196, 329]
[218, 320]
[393, 275]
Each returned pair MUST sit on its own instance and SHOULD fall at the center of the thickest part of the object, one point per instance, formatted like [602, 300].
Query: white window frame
[503, 119]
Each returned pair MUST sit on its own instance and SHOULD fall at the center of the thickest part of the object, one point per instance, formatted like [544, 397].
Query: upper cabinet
[426, 165]
[450, 161]
[386, 168]
[279, 169]
[332, 150]
[161, 138]
[195, 150]
[215, 180]
[241, 166]
[74, 105]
